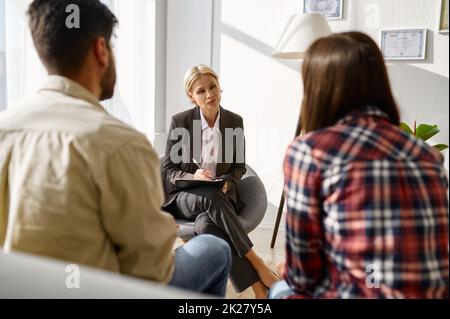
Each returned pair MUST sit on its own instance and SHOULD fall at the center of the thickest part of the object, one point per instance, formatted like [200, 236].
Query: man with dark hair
[79, 185]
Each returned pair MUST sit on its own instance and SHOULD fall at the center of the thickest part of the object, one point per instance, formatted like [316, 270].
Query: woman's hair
[341, 73]
[194, 73]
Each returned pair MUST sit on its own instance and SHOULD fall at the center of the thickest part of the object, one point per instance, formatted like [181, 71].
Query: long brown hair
[341, 73]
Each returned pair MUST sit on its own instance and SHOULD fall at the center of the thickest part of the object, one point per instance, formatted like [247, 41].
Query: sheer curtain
[24, 71]
[134, 48]
[2, 57]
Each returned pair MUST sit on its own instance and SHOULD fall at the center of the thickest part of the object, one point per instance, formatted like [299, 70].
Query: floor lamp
[300, 32]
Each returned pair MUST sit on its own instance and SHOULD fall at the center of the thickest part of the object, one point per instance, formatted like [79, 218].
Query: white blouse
[210, 144]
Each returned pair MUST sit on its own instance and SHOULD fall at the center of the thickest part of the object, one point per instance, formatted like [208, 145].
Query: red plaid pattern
[367, 213]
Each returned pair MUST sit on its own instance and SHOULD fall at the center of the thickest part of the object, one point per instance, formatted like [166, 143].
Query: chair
[251, 192]
[23, 275]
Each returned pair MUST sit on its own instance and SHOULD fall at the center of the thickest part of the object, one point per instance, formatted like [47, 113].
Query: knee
[202, 229]
[204, 225]
[219, 250]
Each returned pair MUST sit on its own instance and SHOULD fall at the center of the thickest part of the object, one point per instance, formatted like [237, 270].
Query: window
[23, 71]
[140, 62]
[2, 57]
[134, 48]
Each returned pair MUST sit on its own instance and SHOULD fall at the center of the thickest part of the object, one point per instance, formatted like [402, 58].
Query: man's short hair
[63, 49]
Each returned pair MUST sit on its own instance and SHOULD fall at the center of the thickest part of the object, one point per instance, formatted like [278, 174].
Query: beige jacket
[79, 185]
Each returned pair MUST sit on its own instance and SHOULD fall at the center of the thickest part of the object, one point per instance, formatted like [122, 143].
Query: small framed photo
[331, 9]
[404, 44]
[443, 19]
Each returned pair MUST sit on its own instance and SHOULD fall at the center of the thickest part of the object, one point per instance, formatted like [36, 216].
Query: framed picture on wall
[331, 9]
[443, 19]
[404, 44]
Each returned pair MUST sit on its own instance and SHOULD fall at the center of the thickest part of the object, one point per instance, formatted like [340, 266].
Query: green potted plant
[424, 132]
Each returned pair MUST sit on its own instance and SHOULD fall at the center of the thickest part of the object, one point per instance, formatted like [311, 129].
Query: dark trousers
[214, 213]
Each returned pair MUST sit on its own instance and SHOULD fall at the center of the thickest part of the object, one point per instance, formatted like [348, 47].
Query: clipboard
[181, 184]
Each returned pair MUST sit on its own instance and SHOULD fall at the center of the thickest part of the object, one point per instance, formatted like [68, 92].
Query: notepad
[181, 184]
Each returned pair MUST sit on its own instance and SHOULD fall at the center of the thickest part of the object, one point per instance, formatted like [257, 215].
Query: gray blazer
[231, 172]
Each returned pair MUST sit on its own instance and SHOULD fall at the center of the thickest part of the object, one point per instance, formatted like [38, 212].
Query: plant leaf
[425, 131]
[406, 128]
[440, 147]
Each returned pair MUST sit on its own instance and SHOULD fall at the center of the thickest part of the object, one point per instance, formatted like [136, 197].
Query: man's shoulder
[14, 111]
[86, 123]
[111, 134]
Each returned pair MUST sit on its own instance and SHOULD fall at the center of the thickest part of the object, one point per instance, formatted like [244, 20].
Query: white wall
[267, 92]
[421, 88]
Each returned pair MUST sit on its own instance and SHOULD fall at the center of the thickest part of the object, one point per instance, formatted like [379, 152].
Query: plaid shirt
[367, 213]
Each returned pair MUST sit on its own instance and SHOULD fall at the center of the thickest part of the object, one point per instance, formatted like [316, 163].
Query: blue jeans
[202, 265]
[280, 290]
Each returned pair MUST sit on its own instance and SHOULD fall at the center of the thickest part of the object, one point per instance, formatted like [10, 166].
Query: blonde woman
[213, 209]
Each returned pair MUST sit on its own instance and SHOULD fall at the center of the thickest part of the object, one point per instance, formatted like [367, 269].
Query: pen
[198, 165]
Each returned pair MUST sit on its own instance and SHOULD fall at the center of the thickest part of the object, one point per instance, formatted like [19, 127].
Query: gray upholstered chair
[23, 275]
[251, 192]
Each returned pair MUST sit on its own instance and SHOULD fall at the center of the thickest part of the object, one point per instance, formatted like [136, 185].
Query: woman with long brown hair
[367, 208]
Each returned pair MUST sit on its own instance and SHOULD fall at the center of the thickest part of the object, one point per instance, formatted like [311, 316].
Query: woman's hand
[202, 175]
[225, 187]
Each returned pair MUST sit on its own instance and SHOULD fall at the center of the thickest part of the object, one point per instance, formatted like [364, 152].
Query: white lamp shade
[300, 32]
